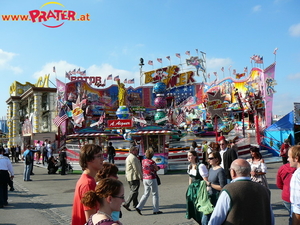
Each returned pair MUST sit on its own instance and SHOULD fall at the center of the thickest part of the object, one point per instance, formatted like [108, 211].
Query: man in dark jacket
[228, 155]
[111, 151]
[63, 160]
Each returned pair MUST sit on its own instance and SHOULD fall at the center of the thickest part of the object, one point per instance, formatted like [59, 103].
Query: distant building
[31, 109]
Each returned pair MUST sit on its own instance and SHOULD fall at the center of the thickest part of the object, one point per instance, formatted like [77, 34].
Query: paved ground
[48, 200]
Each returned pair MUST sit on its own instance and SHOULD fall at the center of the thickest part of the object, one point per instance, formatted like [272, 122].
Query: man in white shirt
[6, 173]
[294, 160]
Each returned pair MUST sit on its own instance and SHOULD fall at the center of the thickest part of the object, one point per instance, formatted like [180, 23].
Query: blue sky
[119, 33]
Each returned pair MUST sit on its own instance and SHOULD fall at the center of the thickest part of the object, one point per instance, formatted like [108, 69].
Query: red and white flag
[150, 62]
[130, 81]
[68, 76]
[178, 55]
[159, 60]
[168, 57]
[181, 117]
[275, 51]
[101, 119]
[188, 53]
[109, 77]
[59, 119]
[260, 60]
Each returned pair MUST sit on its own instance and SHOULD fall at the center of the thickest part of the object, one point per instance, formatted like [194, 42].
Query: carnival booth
[77, 140]
[157, 138]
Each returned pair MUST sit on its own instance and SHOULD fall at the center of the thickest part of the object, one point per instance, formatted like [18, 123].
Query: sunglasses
[121, 197]
[211, 158]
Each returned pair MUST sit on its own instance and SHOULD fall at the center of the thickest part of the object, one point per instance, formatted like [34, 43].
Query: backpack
[45, 150]
[28, 159]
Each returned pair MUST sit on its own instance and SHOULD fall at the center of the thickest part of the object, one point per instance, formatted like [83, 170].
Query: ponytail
[90, 199]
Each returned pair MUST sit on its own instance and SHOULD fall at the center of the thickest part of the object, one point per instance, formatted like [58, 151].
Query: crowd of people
[222, 187]
[210, 196]
[99, 195]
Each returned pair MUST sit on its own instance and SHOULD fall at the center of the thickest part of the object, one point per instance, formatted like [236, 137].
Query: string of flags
[178, 55]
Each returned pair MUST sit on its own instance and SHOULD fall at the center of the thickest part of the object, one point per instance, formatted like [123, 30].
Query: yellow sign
[17, 89]
[170, 76]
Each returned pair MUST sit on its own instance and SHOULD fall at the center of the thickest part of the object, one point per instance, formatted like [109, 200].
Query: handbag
[158, 180]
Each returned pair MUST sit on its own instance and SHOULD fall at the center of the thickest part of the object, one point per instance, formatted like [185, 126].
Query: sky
[119, 33]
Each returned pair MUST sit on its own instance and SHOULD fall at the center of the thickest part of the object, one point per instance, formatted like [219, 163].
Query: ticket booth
[156, 138]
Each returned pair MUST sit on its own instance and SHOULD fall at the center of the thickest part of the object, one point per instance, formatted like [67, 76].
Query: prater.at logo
[58, 15]
[52, 18]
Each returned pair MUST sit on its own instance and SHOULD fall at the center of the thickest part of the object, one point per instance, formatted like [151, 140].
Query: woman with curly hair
[108, 196]
[109, 170]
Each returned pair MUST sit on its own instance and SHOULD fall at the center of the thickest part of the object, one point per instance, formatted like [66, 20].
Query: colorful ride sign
[170, 76]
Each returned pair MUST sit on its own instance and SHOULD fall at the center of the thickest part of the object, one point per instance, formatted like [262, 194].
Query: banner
[268, 84]
[119, 123]
[297, 113]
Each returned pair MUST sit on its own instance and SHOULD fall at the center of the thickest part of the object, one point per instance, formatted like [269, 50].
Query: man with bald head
[242, 201]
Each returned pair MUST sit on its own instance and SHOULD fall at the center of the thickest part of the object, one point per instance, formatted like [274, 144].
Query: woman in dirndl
[258, 167]
[197, 201]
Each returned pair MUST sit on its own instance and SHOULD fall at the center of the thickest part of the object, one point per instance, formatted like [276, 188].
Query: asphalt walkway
[48, 199]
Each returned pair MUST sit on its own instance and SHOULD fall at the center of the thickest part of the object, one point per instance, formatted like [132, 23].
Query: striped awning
[153, 132]
[90, 135]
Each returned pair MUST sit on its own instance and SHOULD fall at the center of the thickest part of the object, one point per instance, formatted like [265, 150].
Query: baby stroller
[69, 168]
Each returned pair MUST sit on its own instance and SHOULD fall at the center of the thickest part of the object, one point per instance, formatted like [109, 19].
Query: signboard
[170, 76]
[297, 113]
[119, 123]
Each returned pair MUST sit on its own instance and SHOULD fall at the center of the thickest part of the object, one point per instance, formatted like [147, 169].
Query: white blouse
[202, 170]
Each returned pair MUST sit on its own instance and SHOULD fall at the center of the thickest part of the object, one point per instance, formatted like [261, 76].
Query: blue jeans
[205, 219]
[111, 159]
[150, 185]
[27, 171]
[288, 206]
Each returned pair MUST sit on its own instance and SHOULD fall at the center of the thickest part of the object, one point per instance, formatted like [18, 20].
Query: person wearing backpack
[27, 156]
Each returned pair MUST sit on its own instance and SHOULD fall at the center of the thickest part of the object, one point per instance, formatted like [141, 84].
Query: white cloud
[102, 70]
[295, 76]
[294, 30]
[61, 68]
[218, 63]
[5, 62]
[256, 8]
[106, 69]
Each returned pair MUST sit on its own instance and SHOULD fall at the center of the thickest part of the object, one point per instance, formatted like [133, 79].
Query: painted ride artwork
[165, 112]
